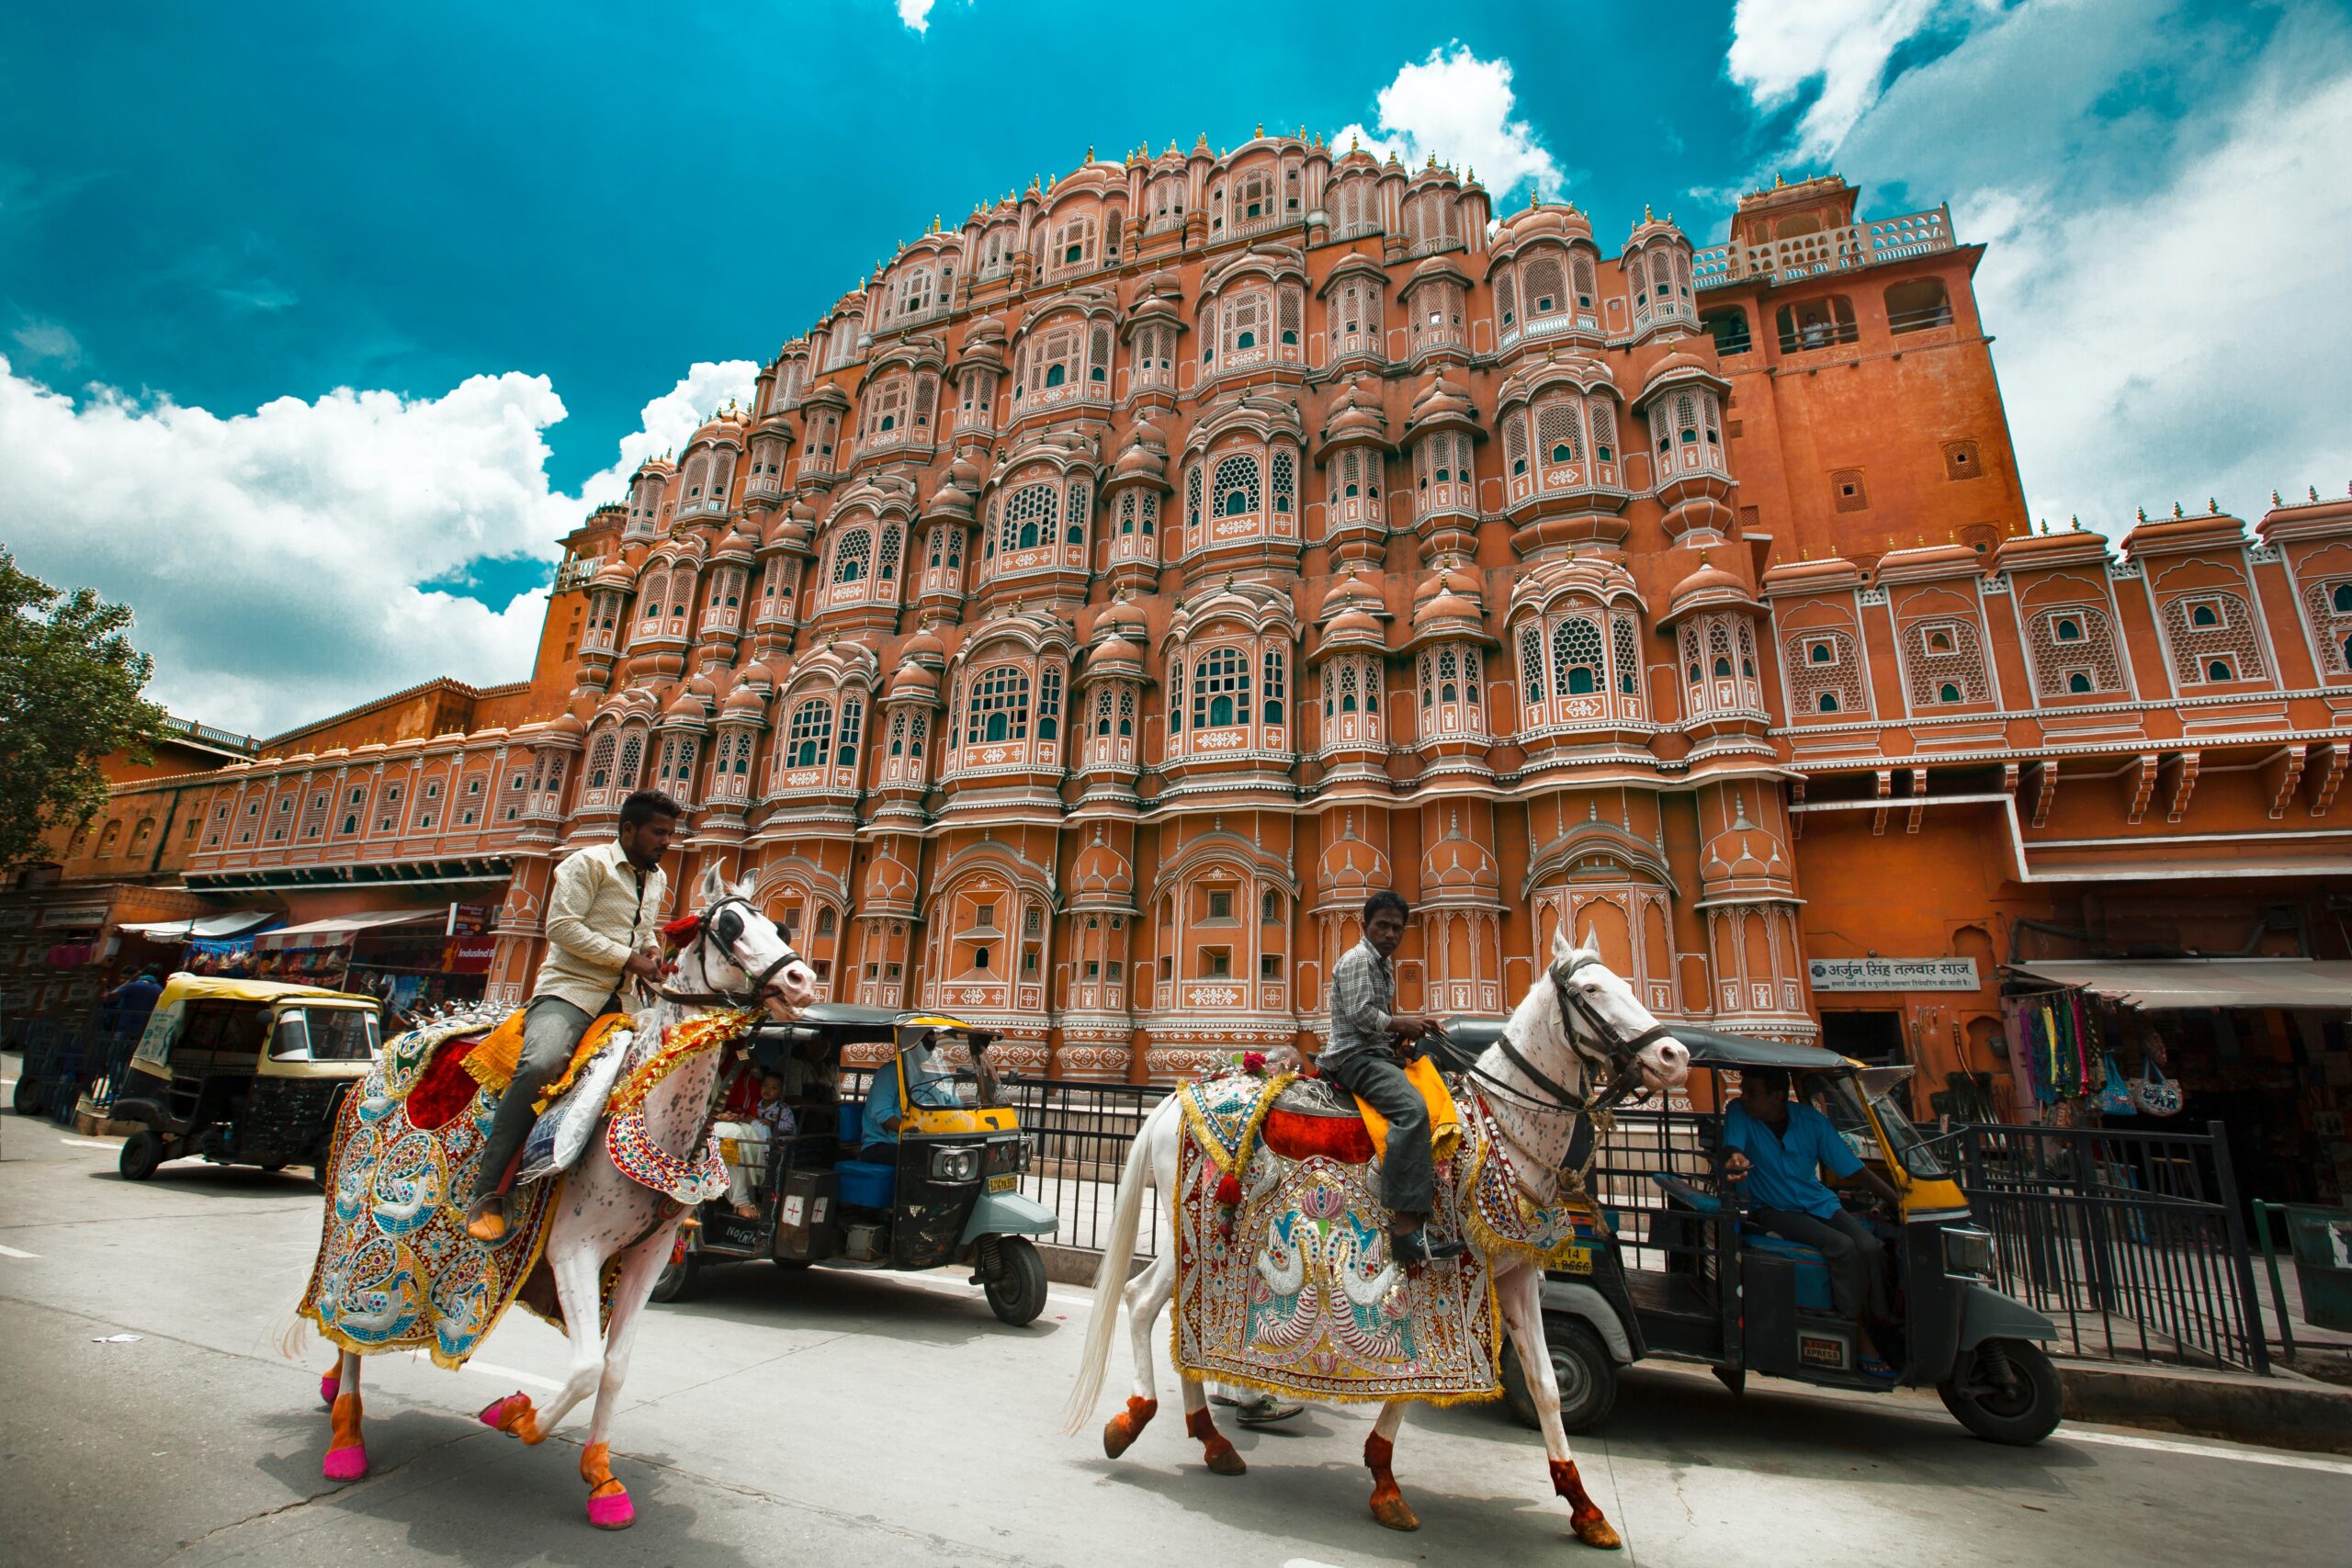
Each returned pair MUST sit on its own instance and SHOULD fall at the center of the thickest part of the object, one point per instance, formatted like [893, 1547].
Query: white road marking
[1304, 1563]
[2208, 1450]
[12, 1252]
[87, 1144]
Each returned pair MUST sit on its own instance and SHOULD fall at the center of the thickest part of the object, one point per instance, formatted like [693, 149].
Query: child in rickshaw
[769, 1123]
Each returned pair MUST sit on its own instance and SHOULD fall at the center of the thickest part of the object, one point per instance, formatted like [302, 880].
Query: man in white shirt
[602, 916]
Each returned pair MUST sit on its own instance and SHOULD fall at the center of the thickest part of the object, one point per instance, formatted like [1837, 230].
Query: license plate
[1577, 1260]
[1003, 1183]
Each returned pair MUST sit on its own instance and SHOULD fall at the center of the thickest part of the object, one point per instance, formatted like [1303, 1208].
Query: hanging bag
[2115, 1094]
[2155, 1094]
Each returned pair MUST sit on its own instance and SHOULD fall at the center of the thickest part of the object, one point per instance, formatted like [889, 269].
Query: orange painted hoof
[1217, 1449]
[1388, 1504]
[1119, 1432]
[1592, 1526]
[1390, 1509]
[608, 1505]
[513, 1415]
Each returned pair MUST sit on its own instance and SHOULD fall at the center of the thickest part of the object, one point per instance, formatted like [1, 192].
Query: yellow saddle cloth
[492, 1062]
[1445, 1117]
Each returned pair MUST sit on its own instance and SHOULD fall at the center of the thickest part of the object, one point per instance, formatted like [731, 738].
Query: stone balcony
[1831, 250]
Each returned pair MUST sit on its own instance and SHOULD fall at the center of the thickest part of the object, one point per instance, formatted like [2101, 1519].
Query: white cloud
[48, 339]
[1777, 47]
[2136, 334]
[916, 14]
[1458, 107]
[275, 559]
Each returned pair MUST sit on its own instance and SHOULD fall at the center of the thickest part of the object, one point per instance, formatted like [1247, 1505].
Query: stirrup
[1416, 1245]
[486, 1218]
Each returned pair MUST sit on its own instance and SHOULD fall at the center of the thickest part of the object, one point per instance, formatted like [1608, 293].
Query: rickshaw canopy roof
[187, 988]
[1707, 1048]
[854, 1023]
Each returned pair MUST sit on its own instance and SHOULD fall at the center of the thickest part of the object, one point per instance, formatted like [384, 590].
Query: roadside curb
[1078, 1265]
[2280, 1412]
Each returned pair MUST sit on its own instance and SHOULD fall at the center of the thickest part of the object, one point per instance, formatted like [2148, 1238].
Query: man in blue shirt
[927, 1084]
[1777, 1150]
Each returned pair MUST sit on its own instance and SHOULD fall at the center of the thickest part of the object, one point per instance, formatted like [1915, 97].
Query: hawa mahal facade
[1091, 609]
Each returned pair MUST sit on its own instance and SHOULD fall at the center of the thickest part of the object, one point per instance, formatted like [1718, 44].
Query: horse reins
[759, 983]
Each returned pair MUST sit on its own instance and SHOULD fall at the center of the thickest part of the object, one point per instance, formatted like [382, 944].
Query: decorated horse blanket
[1283, 1280]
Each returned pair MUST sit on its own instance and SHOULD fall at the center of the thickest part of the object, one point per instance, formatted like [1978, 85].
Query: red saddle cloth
[444, 1087]
[1296, 1135]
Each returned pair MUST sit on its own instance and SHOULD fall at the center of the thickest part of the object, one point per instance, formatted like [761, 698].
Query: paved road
[882, 1420]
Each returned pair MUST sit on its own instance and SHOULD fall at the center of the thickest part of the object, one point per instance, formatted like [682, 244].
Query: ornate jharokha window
[1687, 429]
[1351, 702]
[902, 760]
[1825, 674]
[1111, 726]
[2212, 638]
[675, 773]
[1220, 691]
[2073, 649]
[1441, 472]
[995, 711]
[1354, 477]
[1355, 319]
[1155, 356]
[1453, 687]
[1579, 666]
[1719, 672]
[1945, 661]
[808, 736]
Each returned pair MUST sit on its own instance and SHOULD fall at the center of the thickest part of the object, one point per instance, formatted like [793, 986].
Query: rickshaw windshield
[1904, 1140]
[324, 1034]
[930, 1072]
[1835, 1096]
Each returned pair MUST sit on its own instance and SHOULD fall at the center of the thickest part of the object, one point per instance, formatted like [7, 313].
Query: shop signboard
[468, 955]
[469, 920]
[1893, 974]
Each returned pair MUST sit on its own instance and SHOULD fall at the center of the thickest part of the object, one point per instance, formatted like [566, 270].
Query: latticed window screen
[600, 762]
[655, 590]
[1126, 710]
[1575, 656]
[2074, 651]
[853, 725]
[998, 708]
[1074, 513]
[2213, 638]
[1825, 670]
[1505, 299]
[1290, 308]
[1547, 291]
[1286, 467]
[1237, 485]
[1049, 703]
[1625, 654]
[1098, 357]
[1515, 442]
[1192, 494]
[1604, 429]
[1531, 684]
[1559, 434]
[852, 555]
[886, 566]
[1029, 517]
[1277, 688]
[810, 732]
[632, 759]
[2329, 604]
[1944, 663]
[1103, 711]
[1244, 319]
[1221, 689]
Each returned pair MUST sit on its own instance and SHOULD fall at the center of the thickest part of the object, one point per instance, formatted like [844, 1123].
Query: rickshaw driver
[603, 916]
[1777, 1149]
[925, 1083]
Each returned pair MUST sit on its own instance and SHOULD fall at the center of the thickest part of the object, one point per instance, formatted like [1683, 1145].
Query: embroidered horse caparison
[1280, 1256]
[396, 1269]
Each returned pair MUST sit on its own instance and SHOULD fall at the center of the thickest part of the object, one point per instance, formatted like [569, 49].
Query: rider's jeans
[551, 1033]
[1407, 1185]
[1846, 1245]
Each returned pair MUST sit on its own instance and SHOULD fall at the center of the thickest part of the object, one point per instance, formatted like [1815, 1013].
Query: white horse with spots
[1579, 1022]
[733, 957]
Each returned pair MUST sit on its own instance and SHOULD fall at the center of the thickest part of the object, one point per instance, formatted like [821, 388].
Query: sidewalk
[2286, 1410]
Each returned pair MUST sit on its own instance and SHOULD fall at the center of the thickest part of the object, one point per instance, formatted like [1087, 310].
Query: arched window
[1271, 703]
[810, 732]
[1049, 703]
[2068, 629]
[600, 762]
[1074, 514]
[1575, 656]
[1029, 517]
[886, 569]
[2078, 682]
[998, 708]
[2341, 598]
[852, 722]
[1947, 693]
[1236, 484]
[2203, 616]
[1828, 702]
[852, 555]
[2219, 669]
[1221, 689]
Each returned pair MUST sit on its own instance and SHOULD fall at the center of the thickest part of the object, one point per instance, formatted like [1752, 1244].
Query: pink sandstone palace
[1091, 610]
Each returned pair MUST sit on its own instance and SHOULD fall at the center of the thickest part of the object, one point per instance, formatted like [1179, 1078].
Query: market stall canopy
[2175, 984]
[335, 932]
[202, 928]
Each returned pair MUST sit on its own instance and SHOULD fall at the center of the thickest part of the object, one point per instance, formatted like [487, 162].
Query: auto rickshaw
[951, 1194]
[242, 1072]
[1679, 1272]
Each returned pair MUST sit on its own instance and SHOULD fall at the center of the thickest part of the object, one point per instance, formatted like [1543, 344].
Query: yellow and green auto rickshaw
[242, 1072]
[950, 1192]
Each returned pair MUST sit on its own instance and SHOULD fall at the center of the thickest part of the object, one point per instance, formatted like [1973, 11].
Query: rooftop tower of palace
[1091, 610]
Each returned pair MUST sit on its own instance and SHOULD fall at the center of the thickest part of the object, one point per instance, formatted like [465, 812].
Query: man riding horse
[1366, 1059]
[603, 919]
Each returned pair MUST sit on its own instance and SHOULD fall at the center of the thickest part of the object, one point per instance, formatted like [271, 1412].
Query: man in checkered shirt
[1368, 1058]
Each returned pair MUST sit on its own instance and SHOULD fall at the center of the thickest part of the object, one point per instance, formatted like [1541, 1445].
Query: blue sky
[384, 295]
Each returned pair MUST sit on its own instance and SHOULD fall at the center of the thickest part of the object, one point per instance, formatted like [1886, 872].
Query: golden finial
[2212, 507]
[1355, 142]
[1089, 151]
[2273, 498]
[2176, 510]
[2314, 491]
[1778, 183]
[2044, 529]
[2141, 513]
[1648, 216]
[2075, 518]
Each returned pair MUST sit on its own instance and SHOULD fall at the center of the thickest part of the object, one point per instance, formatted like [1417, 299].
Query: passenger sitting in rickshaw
[927, 1083]
[1777, 1149]
[769, 1122]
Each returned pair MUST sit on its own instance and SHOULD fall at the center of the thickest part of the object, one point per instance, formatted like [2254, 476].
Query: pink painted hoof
[345, 1464]
[329, 1386]
[612, 1513]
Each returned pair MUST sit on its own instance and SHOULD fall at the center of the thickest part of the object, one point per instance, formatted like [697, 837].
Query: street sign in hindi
[1893, 974]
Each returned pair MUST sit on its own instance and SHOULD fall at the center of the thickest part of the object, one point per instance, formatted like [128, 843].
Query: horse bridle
[1622, 1050]
[703, 932]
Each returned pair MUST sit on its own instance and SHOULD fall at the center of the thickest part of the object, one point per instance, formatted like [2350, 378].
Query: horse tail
[1111, 1279]
[292, 1337]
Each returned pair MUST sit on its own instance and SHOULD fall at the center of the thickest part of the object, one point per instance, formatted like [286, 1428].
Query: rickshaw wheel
[1581, 1366]
[1018, 1295]
[677, 1281]
[2023, 1415]
[31, 1097]
[141, 1153]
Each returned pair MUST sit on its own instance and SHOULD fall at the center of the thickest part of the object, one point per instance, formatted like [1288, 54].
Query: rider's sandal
[486, 1218]
[1267, 1411]
[1416, 1245]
